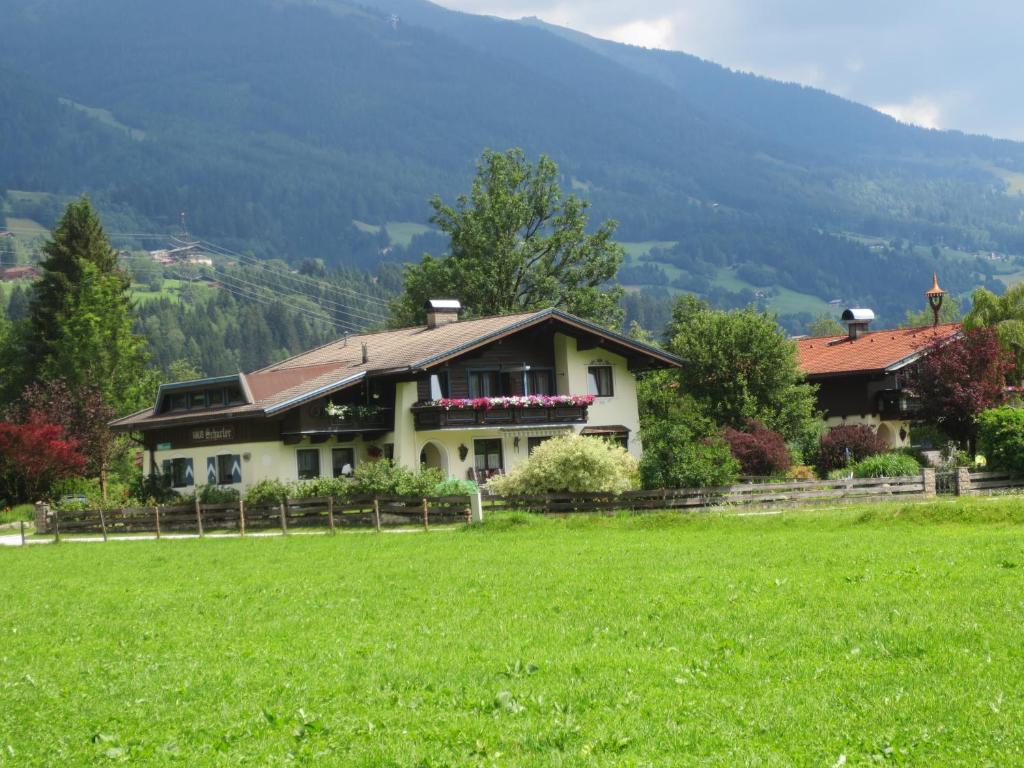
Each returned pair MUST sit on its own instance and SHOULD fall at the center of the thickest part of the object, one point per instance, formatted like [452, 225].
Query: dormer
[202, 394]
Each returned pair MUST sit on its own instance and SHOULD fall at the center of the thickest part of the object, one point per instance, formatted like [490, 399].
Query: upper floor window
[438, 385]
[484, 384]
[539, 381]
[599, 381]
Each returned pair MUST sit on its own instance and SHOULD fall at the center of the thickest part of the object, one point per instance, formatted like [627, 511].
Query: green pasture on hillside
[855, 636]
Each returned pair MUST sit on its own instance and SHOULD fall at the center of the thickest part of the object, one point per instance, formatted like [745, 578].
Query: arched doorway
[888, 434]
[434, 456]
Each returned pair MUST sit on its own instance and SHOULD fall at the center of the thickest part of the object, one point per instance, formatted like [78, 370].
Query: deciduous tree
[958, 380]
[1006, 315]
[517, 243]
[740, 366]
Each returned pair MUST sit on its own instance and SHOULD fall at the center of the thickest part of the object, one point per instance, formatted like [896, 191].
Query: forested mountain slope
[277, 124]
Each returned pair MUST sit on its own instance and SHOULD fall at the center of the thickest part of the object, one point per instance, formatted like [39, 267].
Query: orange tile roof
[874, 351]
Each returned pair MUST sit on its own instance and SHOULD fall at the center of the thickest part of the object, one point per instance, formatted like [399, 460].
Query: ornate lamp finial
[935, 296]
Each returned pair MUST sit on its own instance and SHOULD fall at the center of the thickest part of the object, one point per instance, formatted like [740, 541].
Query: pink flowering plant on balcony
[516, 401]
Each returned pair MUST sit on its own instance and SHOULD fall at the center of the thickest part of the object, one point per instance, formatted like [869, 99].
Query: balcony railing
[502, 411]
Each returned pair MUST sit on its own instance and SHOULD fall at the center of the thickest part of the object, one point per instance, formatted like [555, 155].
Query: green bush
[453, 486]
[338, 487]
[893, 464]
[118, 494]
[572, 463]
[217, 494]
[1001, 438]
[270, 491]
[385, 478]
[701, 464]
[420, 484]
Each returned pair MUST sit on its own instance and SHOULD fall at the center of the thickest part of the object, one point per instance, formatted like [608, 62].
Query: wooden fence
[989, 483]
[242, 517]
[752, 495]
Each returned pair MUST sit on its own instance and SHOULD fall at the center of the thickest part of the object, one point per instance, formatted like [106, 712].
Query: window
[533, 442]
[484, 384]
[343, 461]
[309, 463]
[233, 395]
[215, 396]
[438, 385]
[225, 469]
[196, 399]
[487, 455]
[599, 381]
[178, 402]
[538, 382]
[181, 473]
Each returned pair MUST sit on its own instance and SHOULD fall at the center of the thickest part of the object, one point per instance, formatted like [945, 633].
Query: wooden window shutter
[236, 468]
[211, 470]
[190, 476]
[165, 467]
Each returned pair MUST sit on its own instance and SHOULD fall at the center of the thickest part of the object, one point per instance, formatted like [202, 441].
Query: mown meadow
[855, 636]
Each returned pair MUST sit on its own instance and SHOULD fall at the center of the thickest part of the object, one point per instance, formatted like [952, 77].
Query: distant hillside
[294, 128]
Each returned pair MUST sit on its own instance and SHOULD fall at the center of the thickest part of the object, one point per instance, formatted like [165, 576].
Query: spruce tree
[80, 320]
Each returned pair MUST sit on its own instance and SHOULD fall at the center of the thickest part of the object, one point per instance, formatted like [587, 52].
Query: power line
[384, 304]
[256, 287]
[335, 306]
[244, 293]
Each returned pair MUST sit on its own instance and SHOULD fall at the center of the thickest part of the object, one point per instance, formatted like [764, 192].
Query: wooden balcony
[431, 416]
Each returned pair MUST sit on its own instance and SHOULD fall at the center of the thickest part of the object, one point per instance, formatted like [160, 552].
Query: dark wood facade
[534, 348]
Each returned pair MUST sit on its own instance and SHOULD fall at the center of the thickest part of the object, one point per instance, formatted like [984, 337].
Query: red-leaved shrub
[846, 445]
[759, 450]
[33, 456]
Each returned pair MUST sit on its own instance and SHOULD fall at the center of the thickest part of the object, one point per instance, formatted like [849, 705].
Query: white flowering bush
[571, 463]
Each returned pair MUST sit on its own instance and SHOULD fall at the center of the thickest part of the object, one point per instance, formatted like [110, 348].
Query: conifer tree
[80, 320]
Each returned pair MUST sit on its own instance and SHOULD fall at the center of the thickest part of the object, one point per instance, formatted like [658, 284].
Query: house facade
[862, 375]
[472, 398]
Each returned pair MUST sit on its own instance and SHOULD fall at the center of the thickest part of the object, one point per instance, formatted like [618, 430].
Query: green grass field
[857, 636]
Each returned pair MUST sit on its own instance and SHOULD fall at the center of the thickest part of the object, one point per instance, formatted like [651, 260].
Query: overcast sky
[939, 64]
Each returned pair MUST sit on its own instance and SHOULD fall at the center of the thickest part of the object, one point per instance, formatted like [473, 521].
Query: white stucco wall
[887, 428]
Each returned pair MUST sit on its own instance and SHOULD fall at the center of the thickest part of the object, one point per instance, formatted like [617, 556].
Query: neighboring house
[861, 376]
[423, 395]
[19, 273]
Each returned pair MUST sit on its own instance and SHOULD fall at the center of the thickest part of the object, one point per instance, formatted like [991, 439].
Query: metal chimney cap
[444, 305]
[858, 315]
[935, 290]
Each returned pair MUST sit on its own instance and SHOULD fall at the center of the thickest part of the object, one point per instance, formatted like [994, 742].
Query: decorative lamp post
[935, 297]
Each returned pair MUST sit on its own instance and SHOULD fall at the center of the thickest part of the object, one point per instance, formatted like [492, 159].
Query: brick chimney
[857, 321]
[442, 312]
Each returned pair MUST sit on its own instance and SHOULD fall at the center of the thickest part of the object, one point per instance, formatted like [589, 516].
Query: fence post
[199, 517]
[330, 513]
[241, 517]
[426, 507]
[284, 520]
[103, 524]
[56, 525]
[476, 508]
[42, 513]
[156, 514]
[963, 481]
[928, 478]
[22, 532]
[376, 513]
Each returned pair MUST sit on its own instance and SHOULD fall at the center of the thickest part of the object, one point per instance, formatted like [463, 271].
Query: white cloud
[920, 111]
[647, 33]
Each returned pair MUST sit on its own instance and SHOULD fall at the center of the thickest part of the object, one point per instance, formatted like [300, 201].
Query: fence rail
[243, 517]
[985, 483]
[762, 494]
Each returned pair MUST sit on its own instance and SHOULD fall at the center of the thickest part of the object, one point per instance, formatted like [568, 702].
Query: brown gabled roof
[339, 364]
[872, 352]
